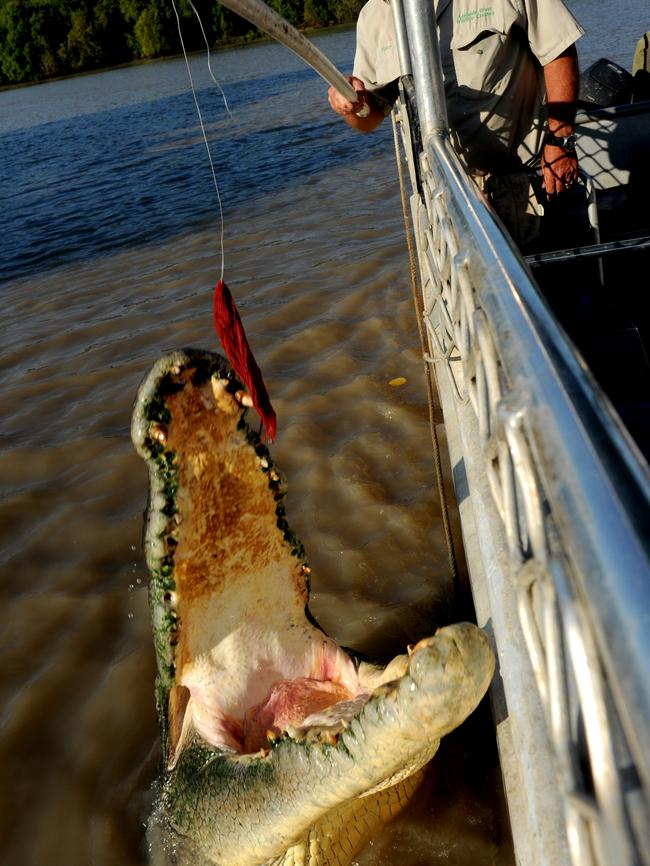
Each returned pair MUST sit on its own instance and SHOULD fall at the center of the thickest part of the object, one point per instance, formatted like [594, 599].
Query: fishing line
[227, 320]
[209, 58]
[200, 116]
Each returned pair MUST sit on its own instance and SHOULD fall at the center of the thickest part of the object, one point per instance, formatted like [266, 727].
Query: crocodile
[279, 747]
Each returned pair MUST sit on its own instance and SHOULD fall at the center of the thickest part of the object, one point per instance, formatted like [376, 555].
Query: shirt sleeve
[551, 28]
[376, 62]
[364, 57]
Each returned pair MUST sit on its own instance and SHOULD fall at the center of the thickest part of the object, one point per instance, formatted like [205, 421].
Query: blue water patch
[99, 183]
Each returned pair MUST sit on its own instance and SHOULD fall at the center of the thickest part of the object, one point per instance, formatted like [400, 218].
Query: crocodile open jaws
[278, 746]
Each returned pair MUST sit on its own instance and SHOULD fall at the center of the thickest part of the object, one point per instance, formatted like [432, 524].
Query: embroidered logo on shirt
[474, 15]
[387, 47]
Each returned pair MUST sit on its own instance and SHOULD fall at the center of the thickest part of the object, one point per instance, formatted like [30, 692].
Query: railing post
[402, 37]
[426, 67]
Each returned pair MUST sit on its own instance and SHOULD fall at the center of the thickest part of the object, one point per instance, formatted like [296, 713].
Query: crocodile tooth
[158, 432]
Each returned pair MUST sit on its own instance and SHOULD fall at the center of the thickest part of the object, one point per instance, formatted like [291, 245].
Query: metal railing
[556, 520]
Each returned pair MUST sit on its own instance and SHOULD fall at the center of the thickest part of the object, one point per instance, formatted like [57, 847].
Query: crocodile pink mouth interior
[288, 704]
[262, 694]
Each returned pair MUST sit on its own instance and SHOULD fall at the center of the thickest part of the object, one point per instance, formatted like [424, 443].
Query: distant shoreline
[241, 42]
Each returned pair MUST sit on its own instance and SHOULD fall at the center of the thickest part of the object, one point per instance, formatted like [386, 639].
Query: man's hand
[559, 169]
[341, 105]
[349, 111]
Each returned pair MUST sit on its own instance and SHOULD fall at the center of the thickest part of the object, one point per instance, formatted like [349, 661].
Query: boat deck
[598, 290]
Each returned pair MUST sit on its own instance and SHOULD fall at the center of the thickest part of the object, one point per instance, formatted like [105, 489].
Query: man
[500, 62]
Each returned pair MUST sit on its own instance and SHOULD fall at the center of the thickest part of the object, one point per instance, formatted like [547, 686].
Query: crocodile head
[279, 747]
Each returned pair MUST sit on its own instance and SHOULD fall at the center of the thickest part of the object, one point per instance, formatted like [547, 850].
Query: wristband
[566, 142]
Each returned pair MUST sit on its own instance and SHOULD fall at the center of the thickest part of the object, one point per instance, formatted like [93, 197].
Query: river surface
[109, 248]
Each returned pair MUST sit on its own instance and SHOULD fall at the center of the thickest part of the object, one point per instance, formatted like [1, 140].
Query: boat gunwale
[514, 388]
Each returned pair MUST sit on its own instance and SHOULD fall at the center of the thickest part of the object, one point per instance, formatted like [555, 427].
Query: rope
[431, 402]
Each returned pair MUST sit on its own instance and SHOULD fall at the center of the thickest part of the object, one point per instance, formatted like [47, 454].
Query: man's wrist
[561, 116]
[559, 128]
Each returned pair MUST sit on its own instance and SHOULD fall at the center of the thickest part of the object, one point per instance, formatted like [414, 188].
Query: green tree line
[45, 38]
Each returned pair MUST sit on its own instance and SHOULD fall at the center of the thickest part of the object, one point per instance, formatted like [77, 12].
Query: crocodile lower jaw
[313, 789]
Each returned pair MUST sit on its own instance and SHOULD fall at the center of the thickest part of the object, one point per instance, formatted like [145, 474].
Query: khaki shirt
[492, 54]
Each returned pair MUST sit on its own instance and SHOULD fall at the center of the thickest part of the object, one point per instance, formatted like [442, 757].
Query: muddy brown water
[109, 249]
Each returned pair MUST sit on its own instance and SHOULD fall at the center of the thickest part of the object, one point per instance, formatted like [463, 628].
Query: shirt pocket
[481, 55]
